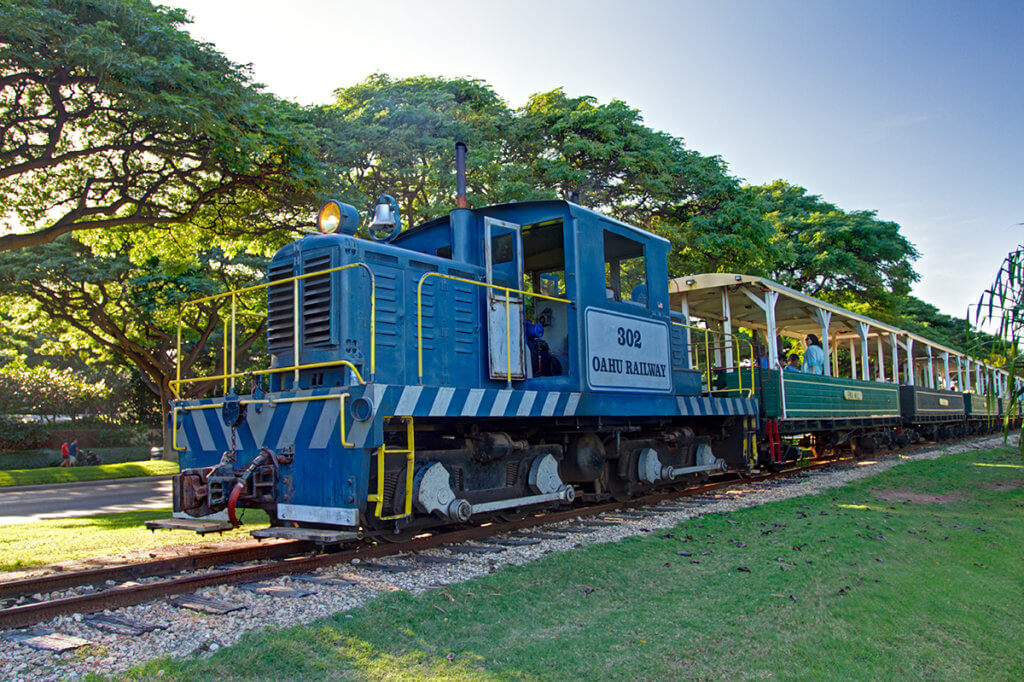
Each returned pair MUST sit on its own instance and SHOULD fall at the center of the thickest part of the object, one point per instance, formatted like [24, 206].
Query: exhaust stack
[460, 175]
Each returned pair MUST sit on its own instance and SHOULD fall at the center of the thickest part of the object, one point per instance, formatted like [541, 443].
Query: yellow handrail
[726, 341]
[410, 459]
[508, 321]
[175, 385]
[227, 376]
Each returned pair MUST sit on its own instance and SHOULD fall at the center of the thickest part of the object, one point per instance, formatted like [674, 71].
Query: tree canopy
[115, 122]
[112, 116]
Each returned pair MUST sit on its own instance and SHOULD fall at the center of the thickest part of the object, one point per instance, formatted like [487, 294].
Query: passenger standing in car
[814, 356]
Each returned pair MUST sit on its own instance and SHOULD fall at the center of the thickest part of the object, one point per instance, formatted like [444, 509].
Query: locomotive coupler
[208, 490]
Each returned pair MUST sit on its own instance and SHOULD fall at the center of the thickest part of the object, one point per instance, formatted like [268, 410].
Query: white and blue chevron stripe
[311, 425]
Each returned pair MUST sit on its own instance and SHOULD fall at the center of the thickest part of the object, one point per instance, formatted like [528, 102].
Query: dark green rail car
[919, 405]
[976, 406]
[811, 399]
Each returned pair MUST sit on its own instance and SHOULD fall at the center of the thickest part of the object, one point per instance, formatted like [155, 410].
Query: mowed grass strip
[854, 583]
[53, 475]
[43, 542]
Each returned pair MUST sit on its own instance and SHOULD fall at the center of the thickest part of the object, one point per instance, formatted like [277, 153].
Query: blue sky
[913, 109]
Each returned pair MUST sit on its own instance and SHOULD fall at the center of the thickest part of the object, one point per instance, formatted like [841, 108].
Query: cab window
[625, 269]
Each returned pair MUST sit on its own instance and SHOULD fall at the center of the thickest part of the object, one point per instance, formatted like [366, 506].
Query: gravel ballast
[186, 632]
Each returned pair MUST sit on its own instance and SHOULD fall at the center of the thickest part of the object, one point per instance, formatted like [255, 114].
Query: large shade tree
[845, 256]
[125, 298]
[112, 116]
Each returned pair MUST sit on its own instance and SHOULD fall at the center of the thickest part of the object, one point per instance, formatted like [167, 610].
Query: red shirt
[64, 450]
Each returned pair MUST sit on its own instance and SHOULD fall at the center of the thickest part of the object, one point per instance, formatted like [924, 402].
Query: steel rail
[54, 582]
[117, 597]
[30, 614]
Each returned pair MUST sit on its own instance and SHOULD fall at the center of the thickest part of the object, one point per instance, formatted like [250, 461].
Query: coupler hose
[264, 455]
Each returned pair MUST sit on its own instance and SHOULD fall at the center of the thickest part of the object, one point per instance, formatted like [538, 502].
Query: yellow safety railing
[410, 457]
[717, 347]
[508, 319]
[230, 374]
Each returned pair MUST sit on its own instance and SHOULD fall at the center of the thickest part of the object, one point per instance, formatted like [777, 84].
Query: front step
[198, 525]
[321, 537]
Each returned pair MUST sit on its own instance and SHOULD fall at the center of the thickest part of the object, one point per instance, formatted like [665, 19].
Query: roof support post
[768, 306]
[895, 357]
[771, 298]
[853, 360]
[727, 328]
[718, 347]
[835, 356]
[960, 375]
[967, 374]
[910, 361]
[945, 372]
[931, 369]
[863, 328]
[824, 318]
[881, 358]
[684, 308]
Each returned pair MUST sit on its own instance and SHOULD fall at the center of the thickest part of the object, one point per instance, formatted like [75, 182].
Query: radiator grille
[316, 302]
[280, 315]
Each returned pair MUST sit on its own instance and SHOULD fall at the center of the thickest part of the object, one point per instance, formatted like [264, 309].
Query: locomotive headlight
[329, 217]
[335, 216]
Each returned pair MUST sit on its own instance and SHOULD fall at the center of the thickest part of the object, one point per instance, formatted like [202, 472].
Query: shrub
[18, 435]
[48, 392]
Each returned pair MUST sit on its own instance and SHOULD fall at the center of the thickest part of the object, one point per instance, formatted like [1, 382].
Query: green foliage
[398, 136]
[125, 300]
[18, 435]
[1002, 306]
[114, 117]
[824, 251]
[48, 392]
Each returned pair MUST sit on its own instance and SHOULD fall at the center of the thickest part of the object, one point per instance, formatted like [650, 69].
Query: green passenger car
[788, 395]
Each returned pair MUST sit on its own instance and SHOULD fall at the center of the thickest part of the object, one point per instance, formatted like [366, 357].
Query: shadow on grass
[322, 652]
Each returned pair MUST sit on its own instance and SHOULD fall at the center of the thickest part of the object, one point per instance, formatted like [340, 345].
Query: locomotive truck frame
[491, 361]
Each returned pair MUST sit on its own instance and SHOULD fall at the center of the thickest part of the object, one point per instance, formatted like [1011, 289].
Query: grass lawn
[83, 473]
[43, 542]
[856, 583]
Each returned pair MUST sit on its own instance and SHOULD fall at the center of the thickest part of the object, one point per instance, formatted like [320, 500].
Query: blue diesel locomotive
[492, 360]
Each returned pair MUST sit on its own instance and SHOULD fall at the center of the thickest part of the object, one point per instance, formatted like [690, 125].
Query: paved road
[86, 499]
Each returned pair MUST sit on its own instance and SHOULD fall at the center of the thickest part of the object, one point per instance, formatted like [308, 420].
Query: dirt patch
[1002, 486]
[907, 495]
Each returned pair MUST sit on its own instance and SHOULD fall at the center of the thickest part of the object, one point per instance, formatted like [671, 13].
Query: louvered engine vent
[280, 316]
[316, 303]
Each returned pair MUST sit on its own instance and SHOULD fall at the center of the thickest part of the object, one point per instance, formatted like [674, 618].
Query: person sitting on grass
[794, 363]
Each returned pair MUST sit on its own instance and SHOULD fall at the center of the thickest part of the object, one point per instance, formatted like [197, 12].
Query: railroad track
[295, 557]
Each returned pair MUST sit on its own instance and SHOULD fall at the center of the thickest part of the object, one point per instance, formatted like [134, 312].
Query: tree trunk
[170, 454]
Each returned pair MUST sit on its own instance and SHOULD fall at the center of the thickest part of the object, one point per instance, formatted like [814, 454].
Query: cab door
[503, 258]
